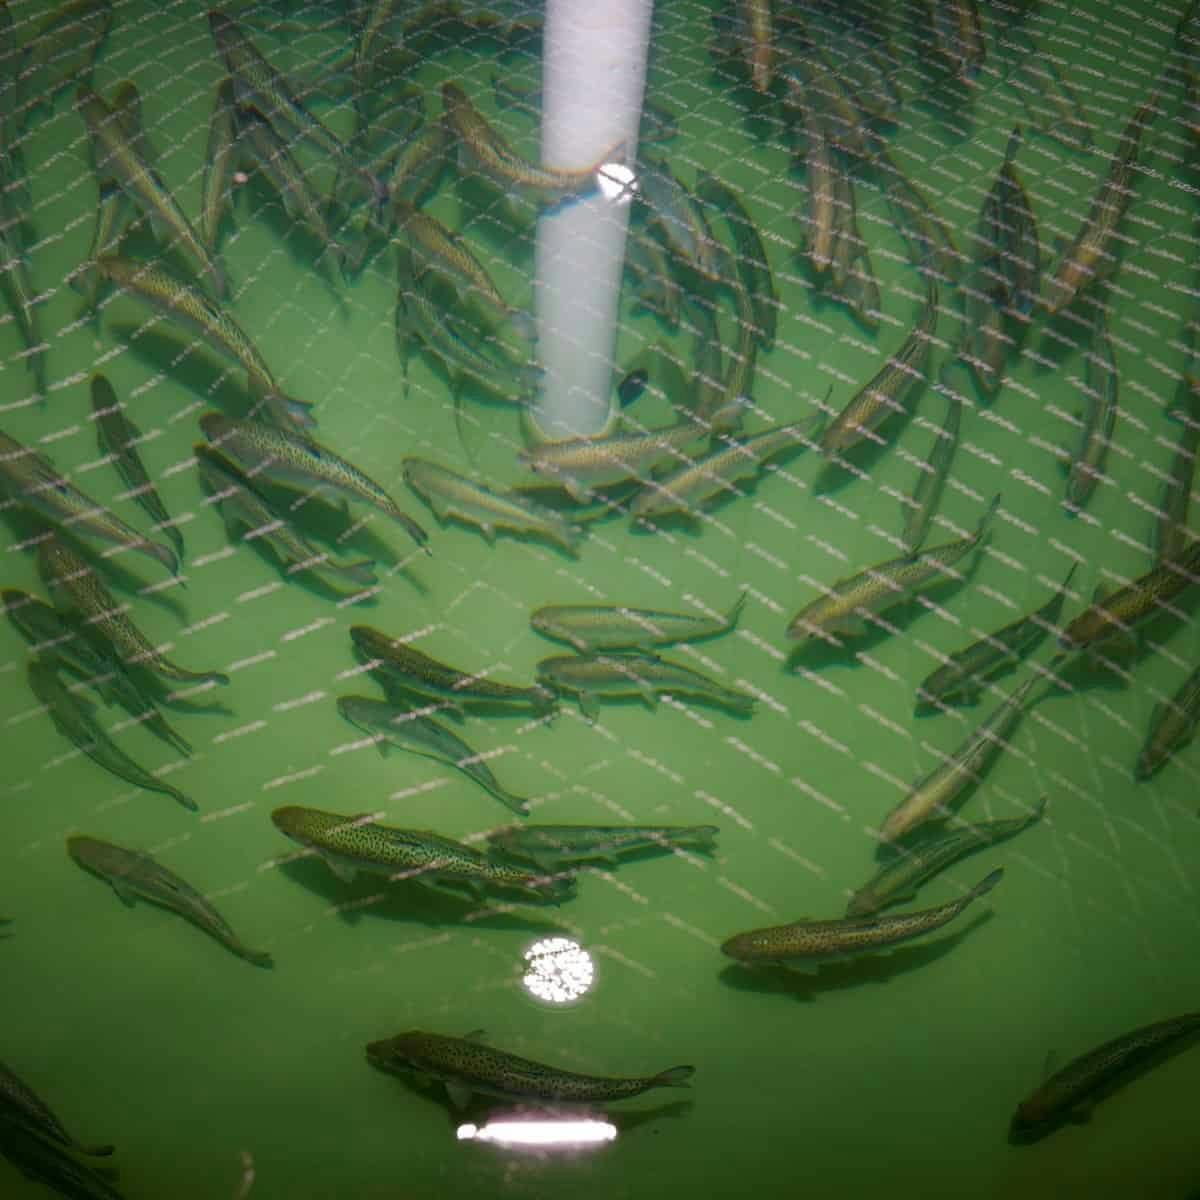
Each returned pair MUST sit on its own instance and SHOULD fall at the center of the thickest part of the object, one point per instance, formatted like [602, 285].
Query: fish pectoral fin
[459, 1093]
[344, 871]
[125, 893]
[588, 706]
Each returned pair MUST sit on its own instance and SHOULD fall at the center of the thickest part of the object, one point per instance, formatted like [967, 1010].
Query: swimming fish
[593, 627]
[927, 492]
[217, 186]
[1172, 726]
[134, 875]
[1171, 536]
[1087, 461]
[467, 1067]
[21, 1104]
[806, 944]
[553, 847]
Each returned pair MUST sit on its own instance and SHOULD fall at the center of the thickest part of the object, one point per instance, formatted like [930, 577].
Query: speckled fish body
[1100, 417]
[958, 37]
[32, 480]
[851, 275]
[422, 675]
[689, 488]
[79, 589]
[1092, 1075]
[582, 464]
[248, 516]
[1172, 726]
[931, 482]
[467, 1067]
[392, 726]
[553, 847]
[819, 181]
[72, 718]
[593, 627]
[845, 608]
[449, 494]
[758, 41]
[118, 437]
[134, 875]
[293, 460]
[1171, 537]
[17, 282]
[809, 943]
[934, 795]
[675, 211]
[898, 881]
[1124, 610]
[890, 388]
[350, 844]
[588, 677]
[961, 680]
[21, 1104]
[216, 189]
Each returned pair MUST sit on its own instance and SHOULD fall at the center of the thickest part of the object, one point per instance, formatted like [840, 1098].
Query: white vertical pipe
[593, 77]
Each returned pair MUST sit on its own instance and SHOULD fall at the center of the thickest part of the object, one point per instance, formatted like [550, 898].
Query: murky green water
[889, 1074]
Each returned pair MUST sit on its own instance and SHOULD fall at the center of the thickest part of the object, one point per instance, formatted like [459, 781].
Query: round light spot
[617, 182]
[558, 971]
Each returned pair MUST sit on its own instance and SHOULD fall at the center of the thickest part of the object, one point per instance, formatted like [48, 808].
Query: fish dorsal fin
[125, 893]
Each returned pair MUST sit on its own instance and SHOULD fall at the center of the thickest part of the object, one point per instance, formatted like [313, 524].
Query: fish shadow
[302, 244]
[407, 900]
[878, 967]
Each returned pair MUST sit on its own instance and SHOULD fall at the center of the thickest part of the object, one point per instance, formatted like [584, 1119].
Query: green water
[892, 1074]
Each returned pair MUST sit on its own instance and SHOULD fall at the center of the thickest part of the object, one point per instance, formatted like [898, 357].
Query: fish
[687, 489]
[814, 86]
[467, 1067]
[119, 158]
[898, 880]
[31, 480]
[217, 187]
[18, 283]
[590, 628]
[418, 673]
[60, 642]
[658, 291]
[180, 302]
[958, 37]
[553, 847]
[134, 875]
[61, 49]
[78, 589]
[413, 171]
[1070, 1092]
[485, 151]
[117, 437]
[72, 717]
[1089, 258]
[1171, 535]
[1087, 460]
[674, 210]
[758, 42]
[930, 242]
[1172, 726]
[934, 795]
[890, 388]
[927, 492]
[44, 1162]
[1120, 612]
[391, 725]
[961, 678]
[806, 944]
[246, 514]
[451, 495]
[350, 844]
[852, 279]
[19, 1103]
[289, 458]
[587, 677]
[1020, 245]
[581, 464]
[1052, 106]
[849, 606]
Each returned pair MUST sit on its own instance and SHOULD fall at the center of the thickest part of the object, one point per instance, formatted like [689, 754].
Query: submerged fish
[848, 607]
[73, 719]
[467, 1067]
[934, 795]
[295, 461]
[593, 627]
[79, 589]
[1100, 417]
[899, 880]
[927, 493]
[553, 847]
[587, 677]
[217, 187]
[389, 726]
[961, 678]
[134, 875]
[806, 944]
[449, 494]
[414, 671]
[1172, 726]
[1171, 536]
[673, 208]
[118, 437]
[358, 843]
[32, 480]
[19, 1103]
[1069, 1092]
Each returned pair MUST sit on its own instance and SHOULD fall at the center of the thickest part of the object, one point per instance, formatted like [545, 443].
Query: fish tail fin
[186, 801]
[985, 522]
[1014, 142]
[1066, 583]
[736, 611]
[260, 958]
[676, 1077]
[1189, 412]
[985, 885]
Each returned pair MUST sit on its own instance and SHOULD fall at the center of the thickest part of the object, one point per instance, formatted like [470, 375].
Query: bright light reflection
[540, 1133]
[616, 182]
[558, 970]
